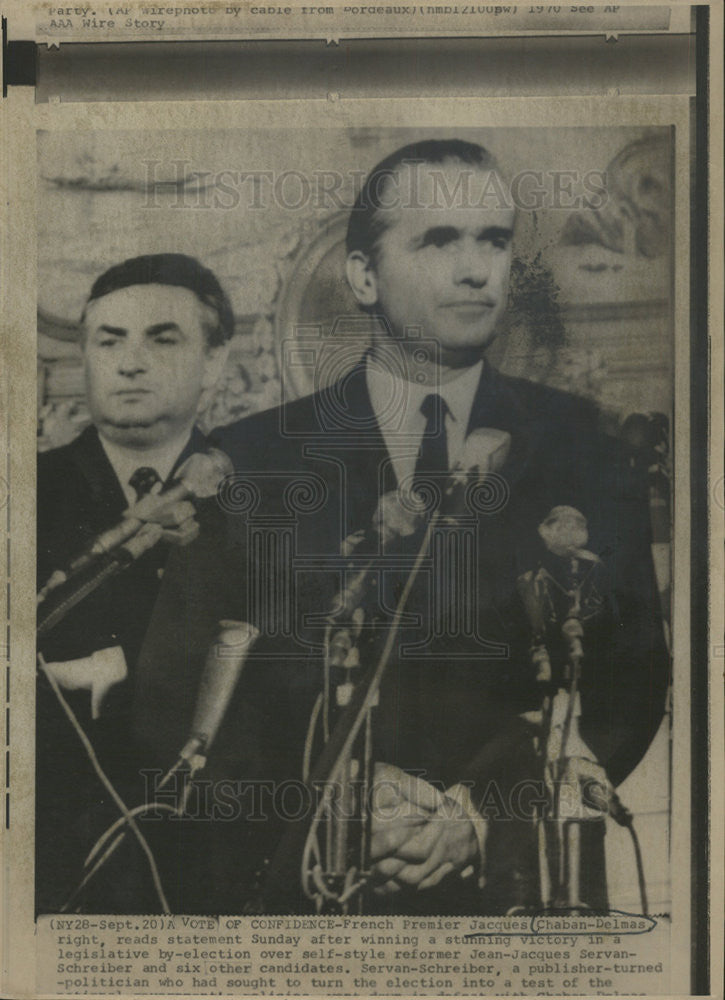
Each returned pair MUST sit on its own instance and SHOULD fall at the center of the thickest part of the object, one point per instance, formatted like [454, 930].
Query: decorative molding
[307, 260]
[599, 312]
[58, 328]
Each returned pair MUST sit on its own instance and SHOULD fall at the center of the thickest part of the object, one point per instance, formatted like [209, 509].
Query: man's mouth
[130, 393]
[470, 307]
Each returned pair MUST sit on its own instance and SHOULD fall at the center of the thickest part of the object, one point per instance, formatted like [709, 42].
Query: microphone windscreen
[222, 669]
[564, 532]
[484, 450]
[393, 519]
[203, 472]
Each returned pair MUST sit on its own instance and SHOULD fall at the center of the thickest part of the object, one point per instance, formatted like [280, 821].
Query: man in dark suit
[458, 733]
[154, 335]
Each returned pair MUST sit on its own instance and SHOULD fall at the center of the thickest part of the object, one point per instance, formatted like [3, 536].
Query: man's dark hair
[176, 269]
[368, 220]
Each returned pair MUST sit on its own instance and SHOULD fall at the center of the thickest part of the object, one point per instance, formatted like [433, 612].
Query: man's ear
[214, 360]
[362, 278]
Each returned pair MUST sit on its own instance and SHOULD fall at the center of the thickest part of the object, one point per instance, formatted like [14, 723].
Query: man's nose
[132, 359]
[473, 265]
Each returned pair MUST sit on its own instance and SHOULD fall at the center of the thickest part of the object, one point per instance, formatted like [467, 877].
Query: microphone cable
[605, 798]
[121, 822]
[214, 685]
[108, 785]
[640, 868]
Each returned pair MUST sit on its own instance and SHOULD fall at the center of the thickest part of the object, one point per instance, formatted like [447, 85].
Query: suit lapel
[363, 450]
[92, 462]
[500, 403]
[197, 442]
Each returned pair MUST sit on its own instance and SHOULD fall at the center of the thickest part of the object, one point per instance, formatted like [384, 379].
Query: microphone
[397, 514]
[220, 674]
[564, 532]
[222, 668]
[65, 593]
[392, 520]
[484, 453]
[533, 590]
[484, 450]
[600, 795]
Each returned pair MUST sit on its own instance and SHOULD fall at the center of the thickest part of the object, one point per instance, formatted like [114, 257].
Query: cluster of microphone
[399, 515]
[143, 526]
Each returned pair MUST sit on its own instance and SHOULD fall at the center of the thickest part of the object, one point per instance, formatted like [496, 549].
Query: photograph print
[353, 542]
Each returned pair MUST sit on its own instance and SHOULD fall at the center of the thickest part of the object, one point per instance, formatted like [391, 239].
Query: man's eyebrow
[437, 234]
[496, 232]
[447, 234]
[157, 328]
[117, 331]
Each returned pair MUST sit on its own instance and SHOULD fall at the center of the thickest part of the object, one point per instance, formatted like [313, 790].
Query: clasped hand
[419, 834]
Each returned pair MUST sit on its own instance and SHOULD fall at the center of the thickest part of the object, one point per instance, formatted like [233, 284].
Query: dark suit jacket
[79, 496]
[452, 701]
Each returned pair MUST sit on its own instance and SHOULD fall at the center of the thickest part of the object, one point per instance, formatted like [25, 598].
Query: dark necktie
[143, 481]
[433, 455]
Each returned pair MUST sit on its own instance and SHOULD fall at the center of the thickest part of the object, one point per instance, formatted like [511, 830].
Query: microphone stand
[328, 879]
[569, 829]
[575, 796]
[335, 869]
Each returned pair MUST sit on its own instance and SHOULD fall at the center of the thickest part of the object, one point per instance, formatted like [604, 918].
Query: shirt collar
[396, 401]
[460, 392]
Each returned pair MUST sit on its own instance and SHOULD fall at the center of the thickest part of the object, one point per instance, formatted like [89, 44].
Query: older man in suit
[154, 336]
[457, 730]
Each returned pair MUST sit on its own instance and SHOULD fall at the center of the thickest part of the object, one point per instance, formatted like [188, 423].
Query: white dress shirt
[396, 405]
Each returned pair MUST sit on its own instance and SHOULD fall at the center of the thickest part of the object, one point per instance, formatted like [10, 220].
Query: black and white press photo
[355, 464]
[361, 493]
